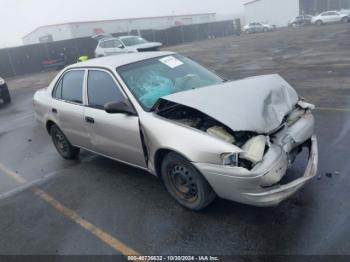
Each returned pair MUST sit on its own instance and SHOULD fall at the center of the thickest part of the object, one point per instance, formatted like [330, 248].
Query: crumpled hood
[257, 104]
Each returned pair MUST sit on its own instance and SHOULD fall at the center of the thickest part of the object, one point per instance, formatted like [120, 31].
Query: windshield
[134, 40]
[151, 79]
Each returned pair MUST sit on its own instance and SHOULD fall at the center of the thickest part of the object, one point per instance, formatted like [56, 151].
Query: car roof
[112, 62]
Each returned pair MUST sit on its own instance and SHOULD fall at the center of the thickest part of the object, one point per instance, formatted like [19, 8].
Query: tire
[185, 184]
[319, 22]
[345, 20]
[7, 97]
[62, 145]
[265, 29]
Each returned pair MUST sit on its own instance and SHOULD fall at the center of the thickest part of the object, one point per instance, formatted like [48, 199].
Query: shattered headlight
[2, 81]
[252, 153]
[230, 159]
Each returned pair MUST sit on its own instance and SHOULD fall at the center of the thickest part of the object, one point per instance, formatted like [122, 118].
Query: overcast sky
[19, 17]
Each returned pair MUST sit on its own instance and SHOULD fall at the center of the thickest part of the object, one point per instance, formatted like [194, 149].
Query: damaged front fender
[193, 144]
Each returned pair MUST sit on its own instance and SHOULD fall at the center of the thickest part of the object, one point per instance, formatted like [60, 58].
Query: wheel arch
[159, 157]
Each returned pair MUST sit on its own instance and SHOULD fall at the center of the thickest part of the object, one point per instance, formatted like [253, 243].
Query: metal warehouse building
[66, 31]
[279, 12]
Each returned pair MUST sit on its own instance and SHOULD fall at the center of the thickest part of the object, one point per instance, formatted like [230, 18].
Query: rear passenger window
[102, 89]
[72, 86]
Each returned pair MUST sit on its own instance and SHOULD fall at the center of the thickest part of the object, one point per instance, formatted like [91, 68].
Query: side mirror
[120, 108]
[120, 46]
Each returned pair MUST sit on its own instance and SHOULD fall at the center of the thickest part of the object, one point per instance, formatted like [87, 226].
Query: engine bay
[248, 141]
[254, 145]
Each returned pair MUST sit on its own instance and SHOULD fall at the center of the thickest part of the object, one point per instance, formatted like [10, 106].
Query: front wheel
[63, 146]
[319, 22]
[7, 97]
[345, 20]
[265, 29]
[185, 184]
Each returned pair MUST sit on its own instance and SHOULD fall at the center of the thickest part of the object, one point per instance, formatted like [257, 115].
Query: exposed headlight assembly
[2, 81]
[230, 159]
[253, 151]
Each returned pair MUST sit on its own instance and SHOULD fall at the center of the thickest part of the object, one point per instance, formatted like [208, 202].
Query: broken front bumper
[260, 187]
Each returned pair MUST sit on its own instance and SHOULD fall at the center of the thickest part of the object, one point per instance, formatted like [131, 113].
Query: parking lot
[97, 206]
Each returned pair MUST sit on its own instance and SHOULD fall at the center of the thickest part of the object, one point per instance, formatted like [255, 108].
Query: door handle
[54, 110]
[89, 120]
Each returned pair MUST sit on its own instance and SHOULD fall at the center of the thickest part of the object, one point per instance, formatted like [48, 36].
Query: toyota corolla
[202, 135]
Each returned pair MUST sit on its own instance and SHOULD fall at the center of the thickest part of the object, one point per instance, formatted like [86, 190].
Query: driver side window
[108, 44]
[118, 44]
[102, 89]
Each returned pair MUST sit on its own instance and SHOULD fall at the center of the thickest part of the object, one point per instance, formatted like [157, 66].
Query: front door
[113, 135]
[113, 47]
[259, 27]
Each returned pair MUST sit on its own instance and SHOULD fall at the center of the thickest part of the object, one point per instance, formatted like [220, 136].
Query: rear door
[335, 16]
[328, 17]
[68, 109]
[113, 135]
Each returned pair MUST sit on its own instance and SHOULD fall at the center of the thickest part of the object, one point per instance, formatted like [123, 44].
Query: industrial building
[279, 12]
[66, 31]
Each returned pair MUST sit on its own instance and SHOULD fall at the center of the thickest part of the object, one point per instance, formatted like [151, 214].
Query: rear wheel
[185, 184]
[265, 29]
[63, 146]
[345, 20]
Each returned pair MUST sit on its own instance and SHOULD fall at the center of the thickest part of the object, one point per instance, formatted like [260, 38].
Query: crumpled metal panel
[257, 104]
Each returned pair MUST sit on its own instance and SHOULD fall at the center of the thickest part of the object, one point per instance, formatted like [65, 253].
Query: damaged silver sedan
[202, 135]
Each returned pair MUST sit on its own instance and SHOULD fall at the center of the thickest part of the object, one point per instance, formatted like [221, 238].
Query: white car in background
[257, 28]
[330, 17]
[124, 44]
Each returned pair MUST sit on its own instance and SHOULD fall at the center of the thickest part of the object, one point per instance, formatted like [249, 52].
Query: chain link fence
[40, 57]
